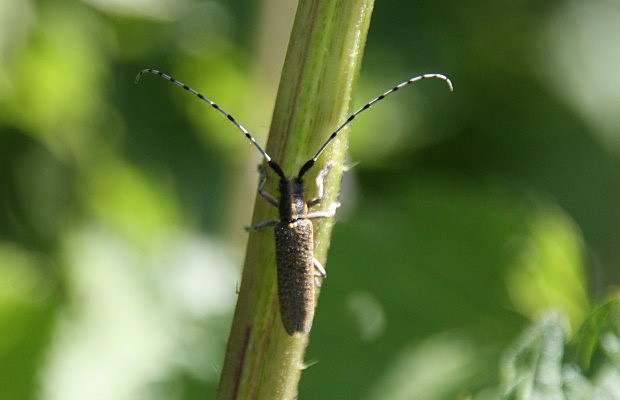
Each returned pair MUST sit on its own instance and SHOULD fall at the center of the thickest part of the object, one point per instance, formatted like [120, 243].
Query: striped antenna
[378, 99]
[311, 161]
[211, 103]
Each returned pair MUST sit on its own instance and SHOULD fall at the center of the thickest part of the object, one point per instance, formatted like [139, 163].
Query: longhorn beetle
[293, 230]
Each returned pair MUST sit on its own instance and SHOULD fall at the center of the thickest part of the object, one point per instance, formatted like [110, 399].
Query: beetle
[293, 229]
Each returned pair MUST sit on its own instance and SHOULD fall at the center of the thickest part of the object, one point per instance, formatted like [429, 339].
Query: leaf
[602, 325]
[533, 366]
[539, 365]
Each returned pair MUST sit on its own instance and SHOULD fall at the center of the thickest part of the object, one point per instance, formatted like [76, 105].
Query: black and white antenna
[334, 134]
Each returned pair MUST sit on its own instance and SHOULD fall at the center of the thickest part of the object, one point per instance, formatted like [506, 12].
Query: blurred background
[465, 214]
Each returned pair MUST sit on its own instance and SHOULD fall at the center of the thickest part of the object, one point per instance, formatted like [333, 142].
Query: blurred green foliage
[464, 215]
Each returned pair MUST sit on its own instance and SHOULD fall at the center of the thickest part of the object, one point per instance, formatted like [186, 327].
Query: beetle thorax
[292, 204]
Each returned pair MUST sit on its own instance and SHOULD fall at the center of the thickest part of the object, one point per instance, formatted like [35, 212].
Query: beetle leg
[324, 214]
[319, 184]
[321, 272]
[262, 225]
[261, 184]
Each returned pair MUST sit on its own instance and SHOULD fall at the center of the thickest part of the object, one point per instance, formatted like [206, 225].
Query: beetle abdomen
[294, 260]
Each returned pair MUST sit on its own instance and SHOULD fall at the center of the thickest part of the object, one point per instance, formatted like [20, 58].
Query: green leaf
[539, 365]
[597, 340]
[533, 366]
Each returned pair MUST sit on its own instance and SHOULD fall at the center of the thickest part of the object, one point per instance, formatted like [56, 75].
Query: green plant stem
[323, 58]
